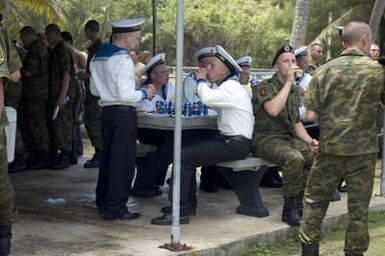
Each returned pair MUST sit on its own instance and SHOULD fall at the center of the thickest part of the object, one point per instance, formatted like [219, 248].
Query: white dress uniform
[235, 123]
[113, 80]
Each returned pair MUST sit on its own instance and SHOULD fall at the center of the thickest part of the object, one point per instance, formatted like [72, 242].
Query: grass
[333, 238]
[88, 150]
[332, 241]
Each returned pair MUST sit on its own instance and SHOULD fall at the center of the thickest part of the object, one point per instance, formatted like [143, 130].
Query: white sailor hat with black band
[204, 52]
[300, 52]
[126, 26]
[244, 61]
[154, 61]
[223, 56]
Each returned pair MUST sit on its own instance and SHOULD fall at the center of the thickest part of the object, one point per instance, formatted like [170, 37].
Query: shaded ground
[74, 227]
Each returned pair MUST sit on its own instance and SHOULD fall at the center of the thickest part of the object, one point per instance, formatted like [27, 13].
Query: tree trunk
[301, 15]
[375, 18]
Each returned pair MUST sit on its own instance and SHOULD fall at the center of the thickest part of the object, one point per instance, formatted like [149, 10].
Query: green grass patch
[332, 242]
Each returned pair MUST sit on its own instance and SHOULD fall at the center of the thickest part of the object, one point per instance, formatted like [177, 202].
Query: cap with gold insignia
[125, 26]
[244, 61]
[283, 49]
[300, 52]
[153, 62]
[226, 58]
[204, 52]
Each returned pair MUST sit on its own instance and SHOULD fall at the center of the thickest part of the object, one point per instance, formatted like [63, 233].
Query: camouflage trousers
[91, 120]
[62, 128]
[7, 194]
[325, 176]
[294, 158]
[35, 126]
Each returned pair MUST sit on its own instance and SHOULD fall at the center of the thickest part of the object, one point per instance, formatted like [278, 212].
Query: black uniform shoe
[61, 162]
[289, 212]
[94, 162]
[207, 189]
[166, 219]
[72, 158]
[126, 216]
[146, 192]
[168, 210]
[16, 167]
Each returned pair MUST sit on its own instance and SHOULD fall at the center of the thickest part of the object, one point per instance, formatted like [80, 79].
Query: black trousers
[117, 163]
[152, 169]
[207, 151]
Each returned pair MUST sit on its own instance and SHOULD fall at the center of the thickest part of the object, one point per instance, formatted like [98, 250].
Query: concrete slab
[73, 227]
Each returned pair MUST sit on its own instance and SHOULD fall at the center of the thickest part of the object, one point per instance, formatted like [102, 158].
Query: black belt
[120, 107]
[238, 138]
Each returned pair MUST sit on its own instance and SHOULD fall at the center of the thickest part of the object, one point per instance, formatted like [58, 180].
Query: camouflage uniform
[7, 194]
[12, 98]
[91, 107]
[35, 97]
[62, 127]
[274, 137]
[346, 93]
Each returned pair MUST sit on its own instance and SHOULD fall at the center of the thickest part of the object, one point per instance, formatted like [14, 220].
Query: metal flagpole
[154, 26]
[175, 228]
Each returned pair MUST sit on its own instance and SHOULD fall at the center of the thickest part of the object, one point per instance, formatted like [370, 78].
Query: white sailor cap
[300, 52]
[124, 26]
[153, 62]
[204, 52]
[223, 56]
[339, 29]
[244, 61]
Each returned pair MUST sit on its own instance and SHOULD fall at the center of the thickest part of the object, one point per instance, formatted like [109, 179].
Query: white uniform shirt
[303, 83]
[233, 104]
[165, 96]
[113, 77]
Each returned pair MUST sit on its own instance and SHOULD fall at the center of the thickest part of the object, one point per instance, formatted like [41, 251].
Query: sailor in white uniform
[113, 80]
[235, 125]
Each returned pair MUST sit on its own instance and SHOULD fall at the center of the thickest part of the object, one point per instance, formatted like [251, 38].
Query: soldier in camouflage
[7, 195]
[12, 99]
[35, 97]
[62, 94]
[279, 135]
[316, 53]
[345, 95]
[92, 109]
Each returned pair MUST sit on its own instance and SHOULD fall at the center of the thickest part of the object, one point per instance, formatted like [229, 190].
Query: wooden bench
[245, 176]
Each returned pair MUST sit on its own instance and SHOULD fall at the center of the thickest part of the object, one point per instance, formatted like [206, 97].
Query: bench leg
[246, 186]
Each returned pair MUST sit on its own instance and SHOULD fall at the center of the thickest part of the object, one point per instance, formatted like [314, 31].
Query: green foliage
[243, 27]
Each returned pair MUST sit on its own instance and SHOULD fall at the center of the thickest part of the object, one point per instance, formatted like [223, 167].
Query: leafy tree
[21, 12]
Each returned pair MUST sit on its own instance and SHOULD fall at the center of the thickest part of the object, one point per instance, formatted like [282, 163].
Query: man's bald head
[357, 34]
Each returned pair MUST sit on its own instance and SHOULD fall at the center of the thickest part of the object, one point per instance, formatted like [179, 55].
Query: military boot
[94, 161]
[17, 164]
[310, 249]
[5, 240]
[289, 212]
[62, 161]
[72, 158]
